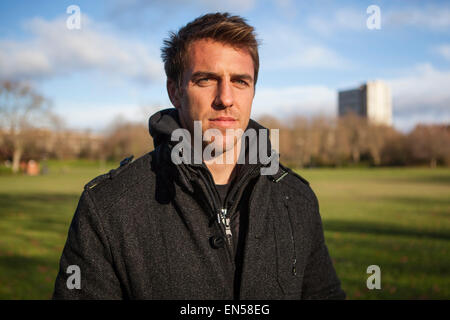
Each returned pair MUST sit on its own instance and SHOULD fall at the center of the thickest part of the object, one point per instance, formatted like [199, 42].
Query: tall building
[371, 100]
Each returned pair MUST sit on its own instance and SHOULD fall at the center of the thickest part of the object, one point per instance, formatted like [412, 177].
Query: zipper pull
[226, 223]
[294, 268]
[219, 217]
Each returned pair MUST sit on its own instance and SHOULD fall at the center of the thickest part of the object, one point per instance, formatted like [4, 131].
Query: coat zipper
[294, 254]
[214, 196]
[224, 215]
[225, 220]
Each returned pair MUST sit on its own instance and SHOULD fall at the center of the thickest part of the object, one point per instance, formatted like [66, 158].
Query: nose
[224, 97]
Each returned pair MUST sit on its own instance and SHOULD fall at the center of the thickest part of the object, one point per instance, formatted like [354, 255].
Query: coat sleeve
[320, 278]
[87, 248]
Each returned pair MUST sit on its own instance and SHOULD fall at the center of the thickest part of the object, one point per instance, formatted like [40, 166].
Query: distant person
[168, 226]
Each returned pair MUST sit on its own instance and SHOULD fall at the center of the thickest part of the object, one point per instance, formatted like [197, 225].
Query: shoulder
[129, 176]
[293, 184]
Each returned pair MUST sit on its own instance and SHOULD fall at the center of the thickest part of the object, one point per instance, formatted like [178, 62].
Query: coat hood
[162, 124]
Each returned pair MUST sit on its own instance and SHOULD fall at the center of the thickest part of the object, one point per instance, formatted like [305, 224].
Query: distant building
[371, 100]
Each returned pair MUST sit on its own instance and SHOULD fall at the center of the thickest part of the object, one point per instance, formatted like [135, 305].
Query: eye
[241, 82]
[204, 81]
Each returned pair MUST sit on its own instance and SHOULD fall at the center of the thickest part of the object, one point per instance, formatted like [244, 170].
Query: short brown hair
[221, 27]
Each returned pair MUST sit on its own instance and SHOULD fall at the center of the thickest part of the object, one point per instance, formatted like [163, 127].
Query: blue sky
[111, 67]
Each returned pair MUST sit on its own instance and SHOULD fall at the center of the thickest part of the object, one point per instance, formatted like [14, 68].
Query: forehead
[213, 56]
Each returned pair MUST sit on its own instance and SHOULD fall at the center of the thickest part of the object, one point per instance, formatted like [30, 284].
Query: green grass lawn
[35, 214]
[398, 219]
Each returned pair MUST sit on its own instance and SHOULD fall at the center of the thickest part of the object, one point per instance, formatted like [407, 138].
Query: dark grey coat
[148, 230]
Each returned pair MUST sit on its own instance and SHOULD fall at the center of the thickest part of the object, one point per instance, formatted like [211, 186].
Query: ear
[174, 93]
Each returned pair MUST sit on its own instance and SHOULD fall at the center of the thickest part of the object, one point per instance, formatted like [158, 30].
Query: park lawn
[398, 219]
[35, 214]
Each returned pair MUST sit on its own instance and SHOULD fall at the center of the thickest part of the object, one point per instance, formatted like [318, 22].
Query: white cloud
[407, 121]
[98, 116]
[423, 89]
[437, 18]
[351, 19]
[344, 18]
[232, 5]
[443, 50]
[303, 100]
[53, 49]
[314, 56]
[139, 6]
[420, 95]
[288, 8]
[285, 48]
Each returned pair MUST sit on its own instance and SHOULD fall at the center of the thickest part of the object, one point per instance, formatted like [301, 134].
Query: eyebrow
[206, 74]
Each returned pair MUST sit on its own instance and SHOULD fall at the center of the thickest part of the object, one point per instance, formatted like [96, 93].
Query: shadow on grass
[428, 201]
[34, 228]
[434, 178]
[23, 265]
[8, 200]
[39, 212]
[381, 229]
[433, 207]
[27, 277]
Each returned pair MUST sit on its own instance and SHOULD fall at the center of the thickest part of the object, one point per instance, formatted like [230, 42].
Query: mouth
[225, 122]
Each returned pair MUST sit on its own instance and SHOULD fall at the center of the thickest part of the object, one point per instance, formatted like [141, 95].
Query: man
[160, 228]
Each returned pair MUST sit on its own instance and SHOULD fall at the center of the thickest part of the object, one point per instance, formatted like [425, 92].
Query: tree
[21, 109]
[430, 143]
[376, 138]
[126, 138]
[395, 151]
[355, 128]
[299, 139]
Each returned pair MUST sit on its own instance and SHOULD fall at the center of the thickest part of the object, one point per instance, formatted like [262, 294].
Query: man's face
[217, 88]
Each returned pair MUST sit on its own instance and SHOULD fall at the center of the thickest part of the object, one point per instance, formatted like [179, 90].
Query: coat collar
[196, 177]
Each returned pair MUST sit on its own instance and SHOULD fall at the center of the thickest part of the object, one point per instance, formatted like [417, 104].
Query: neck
[225, 171]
